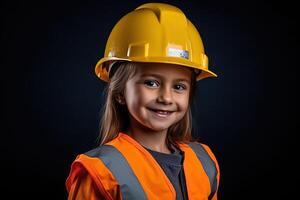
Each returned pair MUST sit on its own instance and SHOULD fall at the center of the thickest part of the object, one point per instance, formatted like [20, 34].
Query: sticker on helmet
[178, 53]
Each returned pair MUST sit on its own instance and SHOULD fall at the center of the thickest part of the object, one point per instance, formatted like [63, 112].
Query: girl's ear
[120, 99]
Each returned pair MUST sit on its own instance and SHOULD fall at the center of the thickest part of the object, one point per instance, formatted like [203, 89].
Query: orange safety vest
[123, 166]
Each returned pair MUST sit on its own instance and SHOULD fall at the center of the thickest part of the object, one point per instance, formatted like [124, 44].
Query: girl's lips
[161, 113]
[156, 110]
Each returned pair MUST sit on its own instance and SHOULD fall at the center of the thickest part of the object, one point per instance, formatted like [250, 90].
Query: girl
[153, 58]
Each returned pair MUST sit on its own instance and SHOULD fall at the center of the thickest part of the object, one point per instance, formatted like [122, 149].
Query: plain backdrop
[51, 98]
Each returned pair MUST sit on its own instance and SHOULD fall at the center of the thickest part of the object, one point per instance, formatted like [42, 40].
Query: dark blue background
[52, 99]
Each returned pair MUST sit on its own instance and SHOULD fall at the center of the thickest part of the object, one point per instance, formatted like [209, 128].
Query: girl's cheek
[183, 102]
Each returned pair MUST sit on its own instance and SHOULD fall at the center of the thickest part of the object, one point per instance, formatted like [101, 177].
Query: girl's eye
[180, 87]
[151, 83]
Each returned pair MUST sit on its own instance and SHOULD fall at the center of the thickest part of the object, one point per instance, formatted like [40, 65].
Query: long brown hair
[115, 117]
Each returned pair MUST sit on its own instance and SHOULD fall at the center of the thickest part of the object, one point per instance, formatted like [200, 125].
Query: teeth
[162, 112]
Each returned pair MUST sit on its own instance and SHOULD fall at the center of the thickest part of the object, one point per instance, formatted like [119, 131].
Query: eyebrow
[162, 77]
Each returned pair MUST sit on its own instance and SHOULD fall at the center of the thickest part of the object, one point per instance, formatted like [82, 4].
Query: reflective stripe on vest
[129, 185]
[118, 165]
[208, 165]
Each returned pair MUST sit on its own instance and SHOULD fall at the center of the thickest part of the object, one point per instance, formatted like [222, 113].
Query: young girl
[153, 58]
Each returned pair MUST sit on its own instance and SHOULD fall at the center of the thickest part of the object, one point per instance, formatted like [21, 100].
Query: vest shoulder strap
[114, 160]
[208, 164]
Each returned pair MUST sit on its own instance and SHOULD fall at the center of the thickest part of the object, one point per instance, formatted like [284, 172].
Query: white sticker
[178, 53]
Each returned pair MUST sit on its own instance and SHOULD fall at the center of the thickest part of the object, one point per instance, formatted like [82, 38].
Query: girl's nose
[165, 95]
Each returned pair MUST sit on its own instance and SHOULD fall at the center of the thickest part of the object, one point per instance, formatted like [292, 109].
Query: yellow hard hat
[155, 33]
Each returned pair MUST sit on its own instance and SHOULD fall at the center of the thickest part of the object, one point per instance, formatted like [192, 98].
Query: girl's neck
[156, 141]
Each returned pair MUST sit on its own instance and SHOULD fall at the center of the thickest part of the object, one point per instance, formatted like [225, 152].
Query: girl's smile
[161, 113]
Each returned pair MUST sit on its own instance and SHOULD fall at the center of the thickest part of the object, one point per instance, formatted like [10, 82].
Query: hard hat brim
[102, 71]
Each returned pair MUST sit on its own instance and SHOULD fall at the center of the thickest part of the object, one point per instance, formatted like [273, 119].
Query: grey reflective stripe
[208, 165]
[118, 165]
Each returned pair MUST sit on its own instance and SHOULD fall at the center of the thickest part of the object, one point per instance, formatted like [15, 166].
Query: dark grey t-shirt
[172, 166]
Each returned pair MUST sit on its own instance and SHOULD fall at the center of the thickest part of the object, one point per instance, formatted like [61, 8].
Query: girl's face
[158, 95]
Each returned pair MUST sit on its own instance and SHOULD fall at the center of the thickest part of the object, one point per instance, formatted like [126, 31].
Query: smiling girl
[153, 58]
